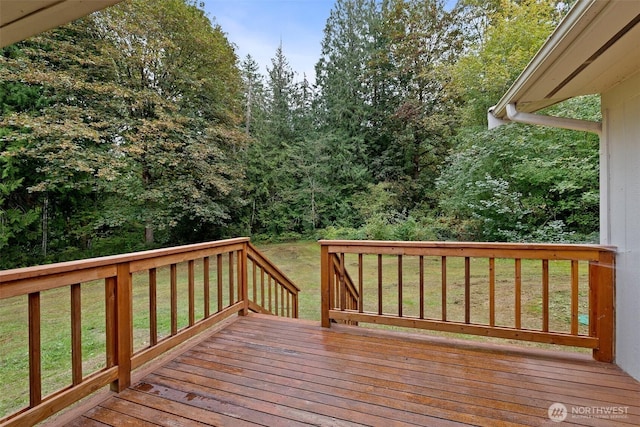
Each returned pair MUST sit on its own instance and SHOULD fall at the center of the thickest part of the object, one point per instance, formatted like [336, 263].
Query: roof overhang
[22, 19]
[595, 47]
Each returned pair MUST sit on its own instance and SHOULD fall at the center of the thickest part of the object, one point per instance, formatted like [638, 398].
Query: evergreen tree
[254, 95]
[343, 104]
[270, 166]
[423, 43]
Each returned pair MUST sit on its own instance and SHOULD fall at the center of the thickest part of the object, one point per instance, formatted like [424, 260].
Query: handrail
[219, 270]
[416, 287]
[350, 294]
[288, 302]
[49, 270]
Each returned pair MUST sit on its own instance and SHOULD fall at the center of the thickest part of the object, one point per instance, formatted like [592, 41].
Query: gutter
[513, 115]
[580, 15]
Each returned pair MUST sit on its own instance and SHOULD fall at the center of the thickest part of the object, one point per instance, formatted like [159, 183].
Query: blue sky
[257, 27]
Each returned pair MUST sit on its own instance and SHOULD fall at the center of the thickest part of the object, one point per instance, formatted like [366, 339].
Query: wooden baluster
[240, 279]
[207, 287]
[192, 290]
[443, 271]
[275, 296]
[219, 280]
[153, 307]
[288, 304]
[269, 293]
[35, 362]
[593, 298]
[518, 294]
[174, 299]
[360, 284]
[467, 290]
[232, 298]
[282, 308]
[343, 285]
[325, 286]
[399, 285]
[335, 302]
[492, 291]
[574, 297]
[255, 281]
[110, 321]
[421, 285]
[545, 295]
[379, 284]
[76, 334]
[262, 287]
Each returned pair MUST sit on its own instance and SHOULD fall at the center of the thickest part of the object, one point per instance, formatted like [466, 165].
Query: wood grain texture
[35, 357]
[263, 370]
[118, 299]
[345, 301]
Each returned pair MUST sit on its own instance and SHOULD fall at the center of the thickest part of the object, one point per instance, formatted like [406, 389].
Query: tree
[423, 44]
[347, 47]
[254, 94]
[272, 171]
[343, 105]
[128, 119]
[515, 32]
[55, 143]
[526, 183]
[515, 183]
[179, 135]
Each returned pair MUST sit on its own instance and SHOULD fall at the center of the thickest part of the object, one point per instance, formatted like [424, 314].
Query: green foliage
[520, 183]
[138, 127]
[277, 158]
[54, 140]
[119, 131]
[181, 140]
[511, 34]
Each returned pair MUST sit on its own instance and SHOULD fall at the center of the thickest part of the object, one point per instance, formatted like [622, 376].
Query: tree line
[139, 127]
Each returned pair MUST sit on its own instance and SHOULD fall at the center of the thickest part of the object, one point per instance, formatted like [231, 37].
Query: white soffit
[22, 19]
[595, 47]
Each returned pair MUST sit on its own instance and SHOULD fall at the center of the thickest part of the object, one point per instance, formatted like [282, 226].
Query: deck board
[262, 370]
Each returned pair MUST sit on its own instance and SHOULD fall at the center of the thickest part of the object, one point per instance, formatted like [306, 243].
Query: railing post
[244, 279]
[325, 285]
[123, 327]
[601, 303]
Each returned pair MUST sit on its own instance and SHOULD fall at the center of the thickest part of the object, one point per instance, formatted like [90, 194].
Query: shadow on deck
[265, 370]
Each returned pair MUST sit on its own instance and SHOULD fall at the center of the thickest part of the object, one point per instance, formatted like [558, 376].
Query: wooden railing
[273, 293]
[137, 286]
[530, 292]
[344, 287]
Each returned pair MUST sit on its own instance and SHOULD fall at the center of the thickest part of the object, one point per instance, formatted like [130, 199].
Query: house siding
[620, 212]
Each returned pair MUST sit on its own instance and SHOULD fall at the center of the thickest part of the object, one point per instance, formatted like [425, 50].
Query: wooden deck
[263, 370]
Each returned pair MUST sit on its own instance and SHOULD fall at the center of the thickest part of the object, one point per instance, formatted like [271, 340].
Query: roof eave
[570, 27]
[30, 18]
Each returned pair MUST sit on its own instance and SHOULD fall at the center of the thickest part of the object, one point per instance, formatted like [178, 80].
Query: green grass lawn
[300, 261]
